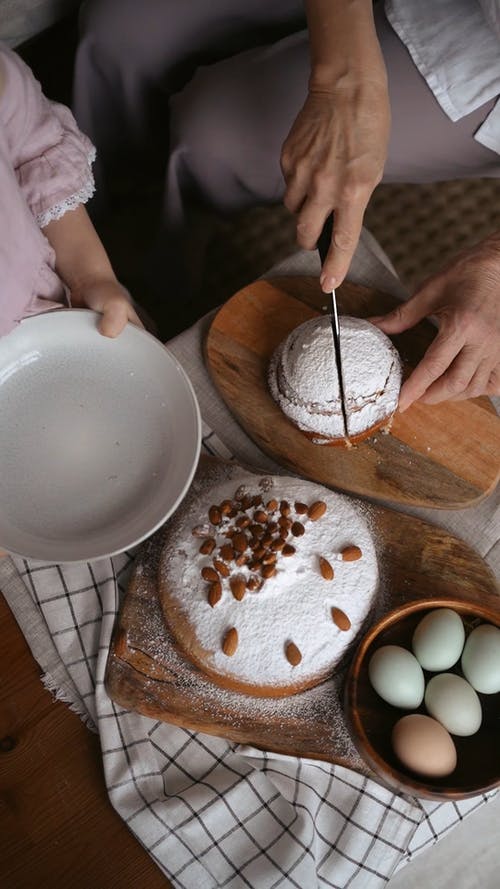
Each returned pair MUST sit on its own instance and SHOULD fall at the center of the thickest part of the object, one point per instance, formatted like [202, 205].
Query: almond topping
[268, 570]
[277, 544]
[256, 530]
[253, 583]
[222, 568]
[272, 527]
[214, 515]
[227, 552]
[259, 551]
[272, 505]
[288, 549]
[207, 547]
[209, 574]
[238, 586]
[325, 568]
[240, 542]
[240, 492]
[247, 502]
[257, 500]
[269, 559]
[301, 508]
[260, 516]
[285, 508]
[293, 654]
[267, 540]
[214, 593]
[340, 619]
[230, 642]
[243, 521]
[351, 554]
[226, 507]
[241, 560]
[283, 522]
[297, 529]
[316, 510]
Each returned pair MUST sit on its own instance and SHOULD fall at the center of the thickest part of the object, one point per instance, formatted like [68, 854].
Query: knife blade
[324, 242]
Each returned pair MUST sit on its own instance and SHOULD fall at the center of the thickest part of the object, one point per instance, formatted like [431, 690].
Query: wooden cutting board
[445, 455]
[147, 673]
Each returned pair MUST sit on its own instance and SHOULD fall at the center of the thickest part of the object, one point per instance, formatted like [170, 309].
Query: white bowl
[99, 437]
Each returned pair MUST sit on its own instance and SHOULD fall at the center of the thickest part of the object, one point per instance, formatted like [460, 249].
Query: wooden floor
[57, 827]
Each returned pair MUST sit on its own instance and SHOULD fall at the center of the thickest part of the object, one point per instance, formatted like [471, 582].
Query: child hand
[110, 299]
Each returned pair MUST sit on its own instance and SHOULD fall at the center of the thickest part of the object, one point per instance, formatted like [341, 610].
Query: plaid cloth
[209, 812]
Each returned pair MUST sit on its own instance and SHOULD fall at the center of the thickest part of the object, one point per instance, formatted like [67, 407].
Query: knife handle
[325, 238]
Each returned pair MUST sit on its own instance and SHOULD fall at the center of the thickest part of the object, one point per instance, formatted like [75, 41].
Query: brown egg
[423, 745]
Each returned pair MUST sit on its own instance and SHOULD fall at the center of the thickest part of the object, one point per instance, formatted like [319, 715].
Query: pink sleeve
[51, 157]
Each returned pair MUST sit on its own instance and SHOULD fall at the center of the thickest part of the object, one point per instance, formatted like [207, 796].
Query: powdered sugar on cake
[303, 378]
[295, 604]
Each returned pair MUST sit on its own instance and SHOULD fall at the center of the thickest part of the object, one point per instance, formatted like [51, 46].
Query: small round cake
[265, 582]
[304, 382]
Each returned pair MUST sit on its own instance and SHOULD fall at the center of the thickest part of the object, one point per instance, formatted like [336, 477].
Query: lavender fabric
[45, 170]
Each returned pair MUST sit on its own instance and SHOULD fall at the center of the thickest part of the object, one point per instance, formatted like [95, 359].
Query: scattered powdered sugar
[303, 378]
[293, 605]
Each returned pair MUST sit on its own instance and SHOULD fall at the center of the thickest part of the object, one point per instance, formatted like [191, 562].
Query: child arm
[84, 266]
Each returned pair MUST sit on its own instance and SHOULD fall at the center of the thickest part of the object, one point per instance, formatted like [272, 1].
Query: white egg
[481, 659]
[397, 676]
[438, 639]
[454, 703]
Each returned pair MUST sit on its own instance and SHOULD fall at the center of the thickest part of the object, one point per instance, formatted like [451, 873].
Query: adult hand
[332, 159]
[463, 361]
[110, 299]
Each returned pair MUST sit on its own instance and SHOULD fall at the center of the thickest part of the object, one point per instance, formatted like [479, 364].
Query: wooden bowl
[371, 719]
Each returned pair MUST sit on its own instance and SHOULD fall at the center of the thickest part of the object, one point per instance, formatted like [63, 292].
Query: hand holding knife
[324, 242]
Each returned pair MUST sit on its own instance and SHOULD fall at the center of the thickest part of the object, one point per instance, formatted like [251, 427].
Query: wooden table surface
[57, 826]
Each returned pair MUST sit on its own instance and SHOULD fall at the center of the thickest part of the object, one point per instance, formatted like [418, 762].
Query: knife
[324, 242]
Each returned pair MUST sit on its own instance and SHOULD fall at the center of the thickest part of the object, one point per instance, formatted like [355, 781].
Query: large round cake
[303, 379]
[265, 582]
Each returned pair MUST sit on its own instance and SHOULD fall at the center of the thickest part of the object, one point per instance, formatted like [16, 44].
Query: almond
[253, 583]
[247, 502]
[257, 500]
[272, 505]
[293, 654]
[259, 551]
[277, 544]
[227, 552]
[209, 574]
[340, 619]
[240, 492]
[301, 508]
[214, 593]
[268, 570]
[214, 514]
[222, 568]
[267, 540]
[256, 530]
[240, 542]
[288, 549]
[266, 483]
[297, 529]
[260, 516]
[241, 560]
[351, 554]
[237, 585]
[226, 507]
[285, 523]
[207, 547]
[269, 559]
[272, 527]
[230, 642]
[316, 510]
[325, 568]
[254, 564]
[243, 521]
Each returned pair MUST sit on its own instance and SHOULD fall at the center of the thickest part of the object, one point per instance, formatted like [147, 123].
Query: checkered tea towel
[209, 812]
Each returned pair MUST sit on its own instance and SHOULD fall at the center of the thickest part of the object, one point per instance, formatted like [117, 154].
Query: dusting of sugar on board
[303, 378]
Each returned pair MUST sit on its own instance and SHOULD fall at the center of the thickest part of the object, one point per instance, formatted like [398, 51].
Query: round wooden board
[445, 455]
[146, 671]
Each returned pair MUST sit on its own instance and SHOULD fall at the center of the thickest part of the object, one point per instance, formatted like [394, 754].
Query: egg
[397, 676]
[481, 659]
[424, 746]
[454, 703]
[438, 639]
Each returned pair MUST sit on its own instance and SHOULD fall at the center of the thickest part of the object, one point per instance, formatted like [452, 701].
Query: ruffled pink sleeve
[51, 157]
